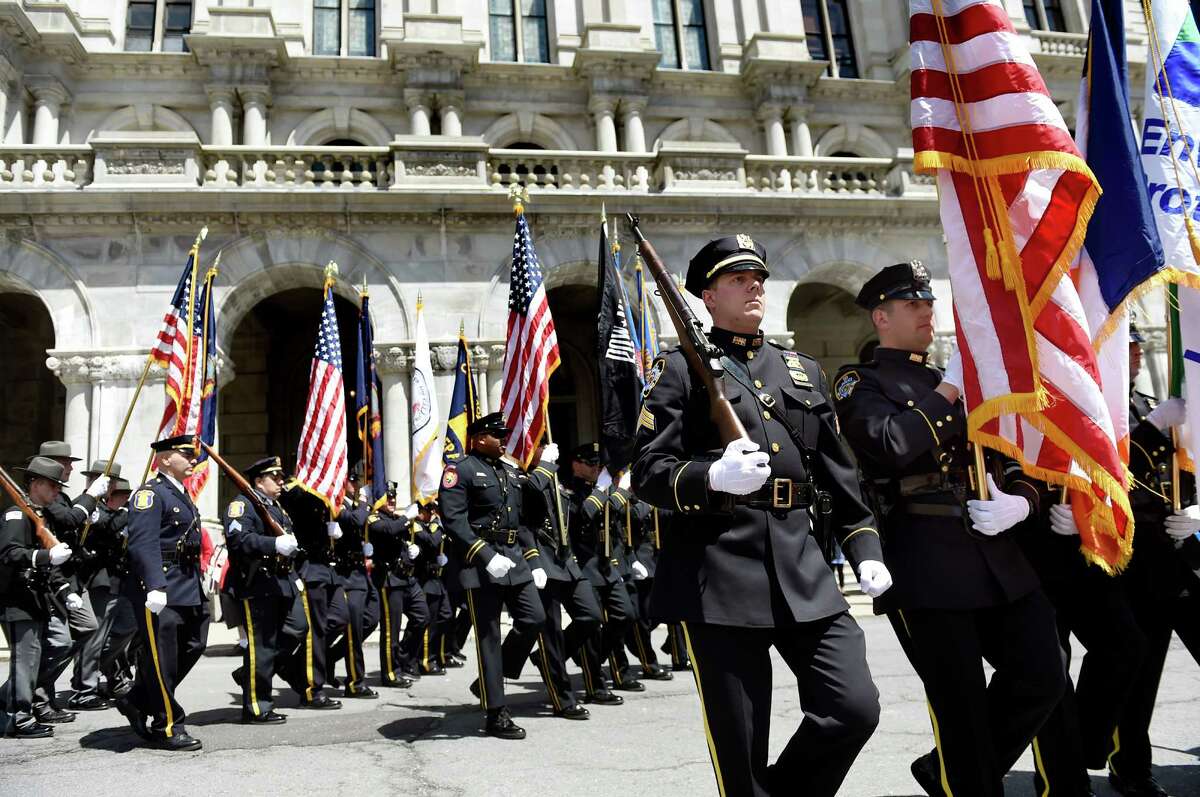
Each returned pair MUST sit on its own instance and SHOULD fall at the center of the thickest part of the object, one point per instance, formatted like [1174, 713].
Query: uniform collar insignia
[733, 342]
[886, 355]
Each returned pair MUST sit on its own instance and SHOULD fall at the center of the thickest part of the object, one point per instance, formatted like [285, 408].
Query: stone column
[771, 116]
[49, 95]
[451, 112]
[254, 114]
[418, 113]
[393, 364]
[802, 143]
[602, 109]
[494, 375]
[220, 101]
[480, 362]
[631, 118]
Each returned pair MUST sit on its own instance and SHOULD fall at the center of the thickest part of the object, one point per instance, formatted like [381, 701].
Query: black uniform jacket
[164, 544]
[733, 564]
[540, 515]
[255, 569]
[903, 433]
[104, 553]
[309, 514]
[590, 525]
[646, 524]
[66, 519]
[25, 573]
[431, 539]
[390, 536]
[351, 564]
[480, 500]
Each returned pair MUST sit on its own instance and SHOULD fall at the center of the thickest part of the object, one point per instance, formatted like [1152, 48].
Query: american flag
[532, 351]
[321, 458]
[1015, 200]
[177, 350]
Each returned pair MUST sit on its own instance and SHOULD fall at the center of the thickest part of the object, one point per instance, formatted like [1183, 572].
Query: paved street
[426, 741]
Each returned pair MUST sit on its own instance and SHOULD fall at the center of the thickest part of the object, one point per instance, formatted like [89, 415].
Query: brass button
[749, 355]
[758, 383]
[808, 401]
[945, 469]
[766, 415]
[939, 423]
[910, 402]
[775, 448]
[950, 418]
[696, 507]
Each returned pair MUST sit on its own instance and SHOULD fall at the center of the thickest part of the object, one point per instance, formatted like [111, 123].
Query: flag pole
[1176, 493]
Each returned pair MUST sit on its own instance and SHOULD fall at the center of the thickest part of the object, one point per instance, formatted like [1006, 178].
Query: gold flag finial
[462, 328]
[420, 300]
[363, 290]
[331, 273]
[203, 234]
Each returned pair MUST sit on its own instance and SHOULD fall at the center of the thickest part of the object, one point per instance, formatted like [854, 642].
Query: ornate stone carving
[85, 367]
[393, 359]
[441, 170]
[144, 164]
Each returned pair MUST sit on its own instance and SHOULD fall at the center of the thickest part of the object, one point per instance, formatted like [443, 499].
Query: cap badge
[745, 241]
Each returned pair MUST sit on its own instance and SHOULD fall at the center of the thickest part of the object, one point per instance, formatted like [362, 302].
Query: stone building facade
[385, 136]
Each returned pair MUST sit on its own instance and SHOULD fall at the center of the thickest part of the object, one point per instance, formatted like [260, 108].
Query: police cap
[264, 466]
[902, 281]
[56, 449]
[492, 423]
[183, 442]
[588, 454]
[46, 468]
[732, 253]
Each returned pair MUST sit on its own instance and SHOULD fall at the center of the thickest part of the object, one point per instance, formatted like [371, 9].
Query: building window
[355, 17]
[519, 31]
[827, 30]
[144, 32]
[679, 29]
[1045, 15]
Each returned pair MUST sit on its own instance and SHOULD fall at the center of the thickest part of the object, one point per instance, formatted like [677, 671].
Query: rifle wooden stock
[245, 487]
[44, 536]
[699, 353]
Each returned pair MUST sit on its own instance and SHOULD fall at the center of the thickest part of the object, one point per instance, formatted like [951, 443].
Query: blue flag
[368, 393]
[462, 406]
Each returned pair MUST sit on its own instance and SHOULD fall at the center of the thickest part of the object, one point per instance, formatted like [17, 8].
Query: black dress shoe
[436, 669]
[120, 689]
[34, 730]
[925, 772]
[89, 703]
[631, 686]
[500, 725]
[54, 716]
[137, 722]
[334, 682]
[681, 668]
[322, 702]
[605, 697]
[178, 743]
[1136, 787]
[362, 693]
[575, 712]
[410, 673]
[658, 674]
[452, 663]
[457, 656]
[270, 718]
[398, 683]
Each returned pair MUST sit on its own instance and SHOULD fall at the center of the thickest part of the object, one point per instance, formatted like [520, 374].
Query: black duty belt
[498, 535]
[781, 495]
[174, 558]
[910, 507]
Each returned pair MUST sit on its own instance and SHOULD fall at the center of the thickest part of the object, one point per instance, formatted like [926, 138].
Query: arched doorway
[262, 409]
[34, 402]
[828, 325]
[574, 412]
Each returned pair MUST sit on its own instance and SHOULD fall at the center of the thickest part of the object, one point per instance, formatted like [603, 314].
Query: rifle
[703, 358]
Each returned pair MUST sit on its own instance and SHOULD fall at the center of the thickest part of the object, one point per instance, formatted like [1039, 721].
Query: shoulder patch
[371, 518]
[14, 514]
[646, 420]
[237, 508]
[450, 477]
[143, 499]
[656, 371]
[846, 384]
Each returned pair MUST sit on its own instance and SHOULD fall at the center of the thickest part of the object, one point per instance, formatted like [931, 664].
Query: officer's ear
[881, 316]
[710, 298]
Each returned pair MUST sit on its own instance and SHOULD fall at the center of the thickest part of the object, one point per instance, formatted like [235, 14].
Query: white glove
[625, 481]
[1000, 513]
[605, 479]
[411, 511]
[59, 554]
[414, 550]
[286, 545]
[640, 573]
[1062, 520]
[333, 529]
[741, 470]
[1172, 412]
[368, 550]
[73, 601]
[364, 493]
[499, 566]
[156, 600]
[954, 371]
[442, 559]
[550, 453]
[1184, 523]
[873, 578]
[539, 577]
[100, 487]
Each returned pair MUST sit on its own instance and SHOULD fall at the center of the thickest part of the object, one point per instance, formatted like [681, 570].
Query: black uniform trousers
[981, 728]
[395, 604]
[675, 646]
[528, 617]
[429, 653]
[362, 617]
[1077, 736]
[617, 612]
[555, 645]
[267, 637]
[1130, 756]
[306, 669]
[637, 639]
[732, 667]
[173, 641]
[25, 638]
[104, 650]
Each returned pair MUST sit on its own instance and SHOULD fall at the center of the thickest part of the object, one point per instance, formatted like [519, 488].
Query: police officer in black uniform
[641, 551]
[1162, 579]
[963, 590]
[265, 581]
[430, 537]
[351, 554]
[164, 588]
[742, 566]
[400, 595]
[481, 501]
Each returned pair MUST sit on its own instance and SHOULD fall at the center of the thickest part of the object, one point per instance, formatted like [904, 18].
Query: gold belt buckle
[781, 494]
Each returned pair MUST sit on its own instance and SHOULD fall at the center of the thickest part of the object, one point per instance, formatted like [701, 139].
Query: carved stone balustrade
[45, 168]
[556, 170]
[820, 176]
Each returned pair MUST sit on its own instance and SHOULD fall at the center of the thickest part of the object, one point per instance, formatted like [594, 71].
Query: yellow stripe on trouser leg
[642, 656]
[545, 668]
[387, 634]
[425, 650]
[162, 685]
[937, 742]
[712, 745]
[350, 668]
[1041, 768]
[251, 676]
[1116, 749]
[308, 647]
[478, 653]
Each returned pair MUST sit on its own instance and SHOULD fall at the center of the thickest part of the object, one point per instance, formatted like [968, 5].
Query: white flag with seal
[426, 419]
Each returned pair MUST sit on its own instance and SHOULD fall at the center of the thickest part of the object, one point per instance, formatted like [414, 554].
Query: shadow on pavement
[114, 740]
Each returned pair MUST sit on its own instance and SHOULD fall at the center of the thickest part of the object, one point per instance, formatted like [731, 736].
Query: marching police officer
[265, 582]
[741, 566]
[431, 539]
[164, 588]
[351, 552]
[400, 594]
[963, 589]
[641, 551]
[481, 499]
